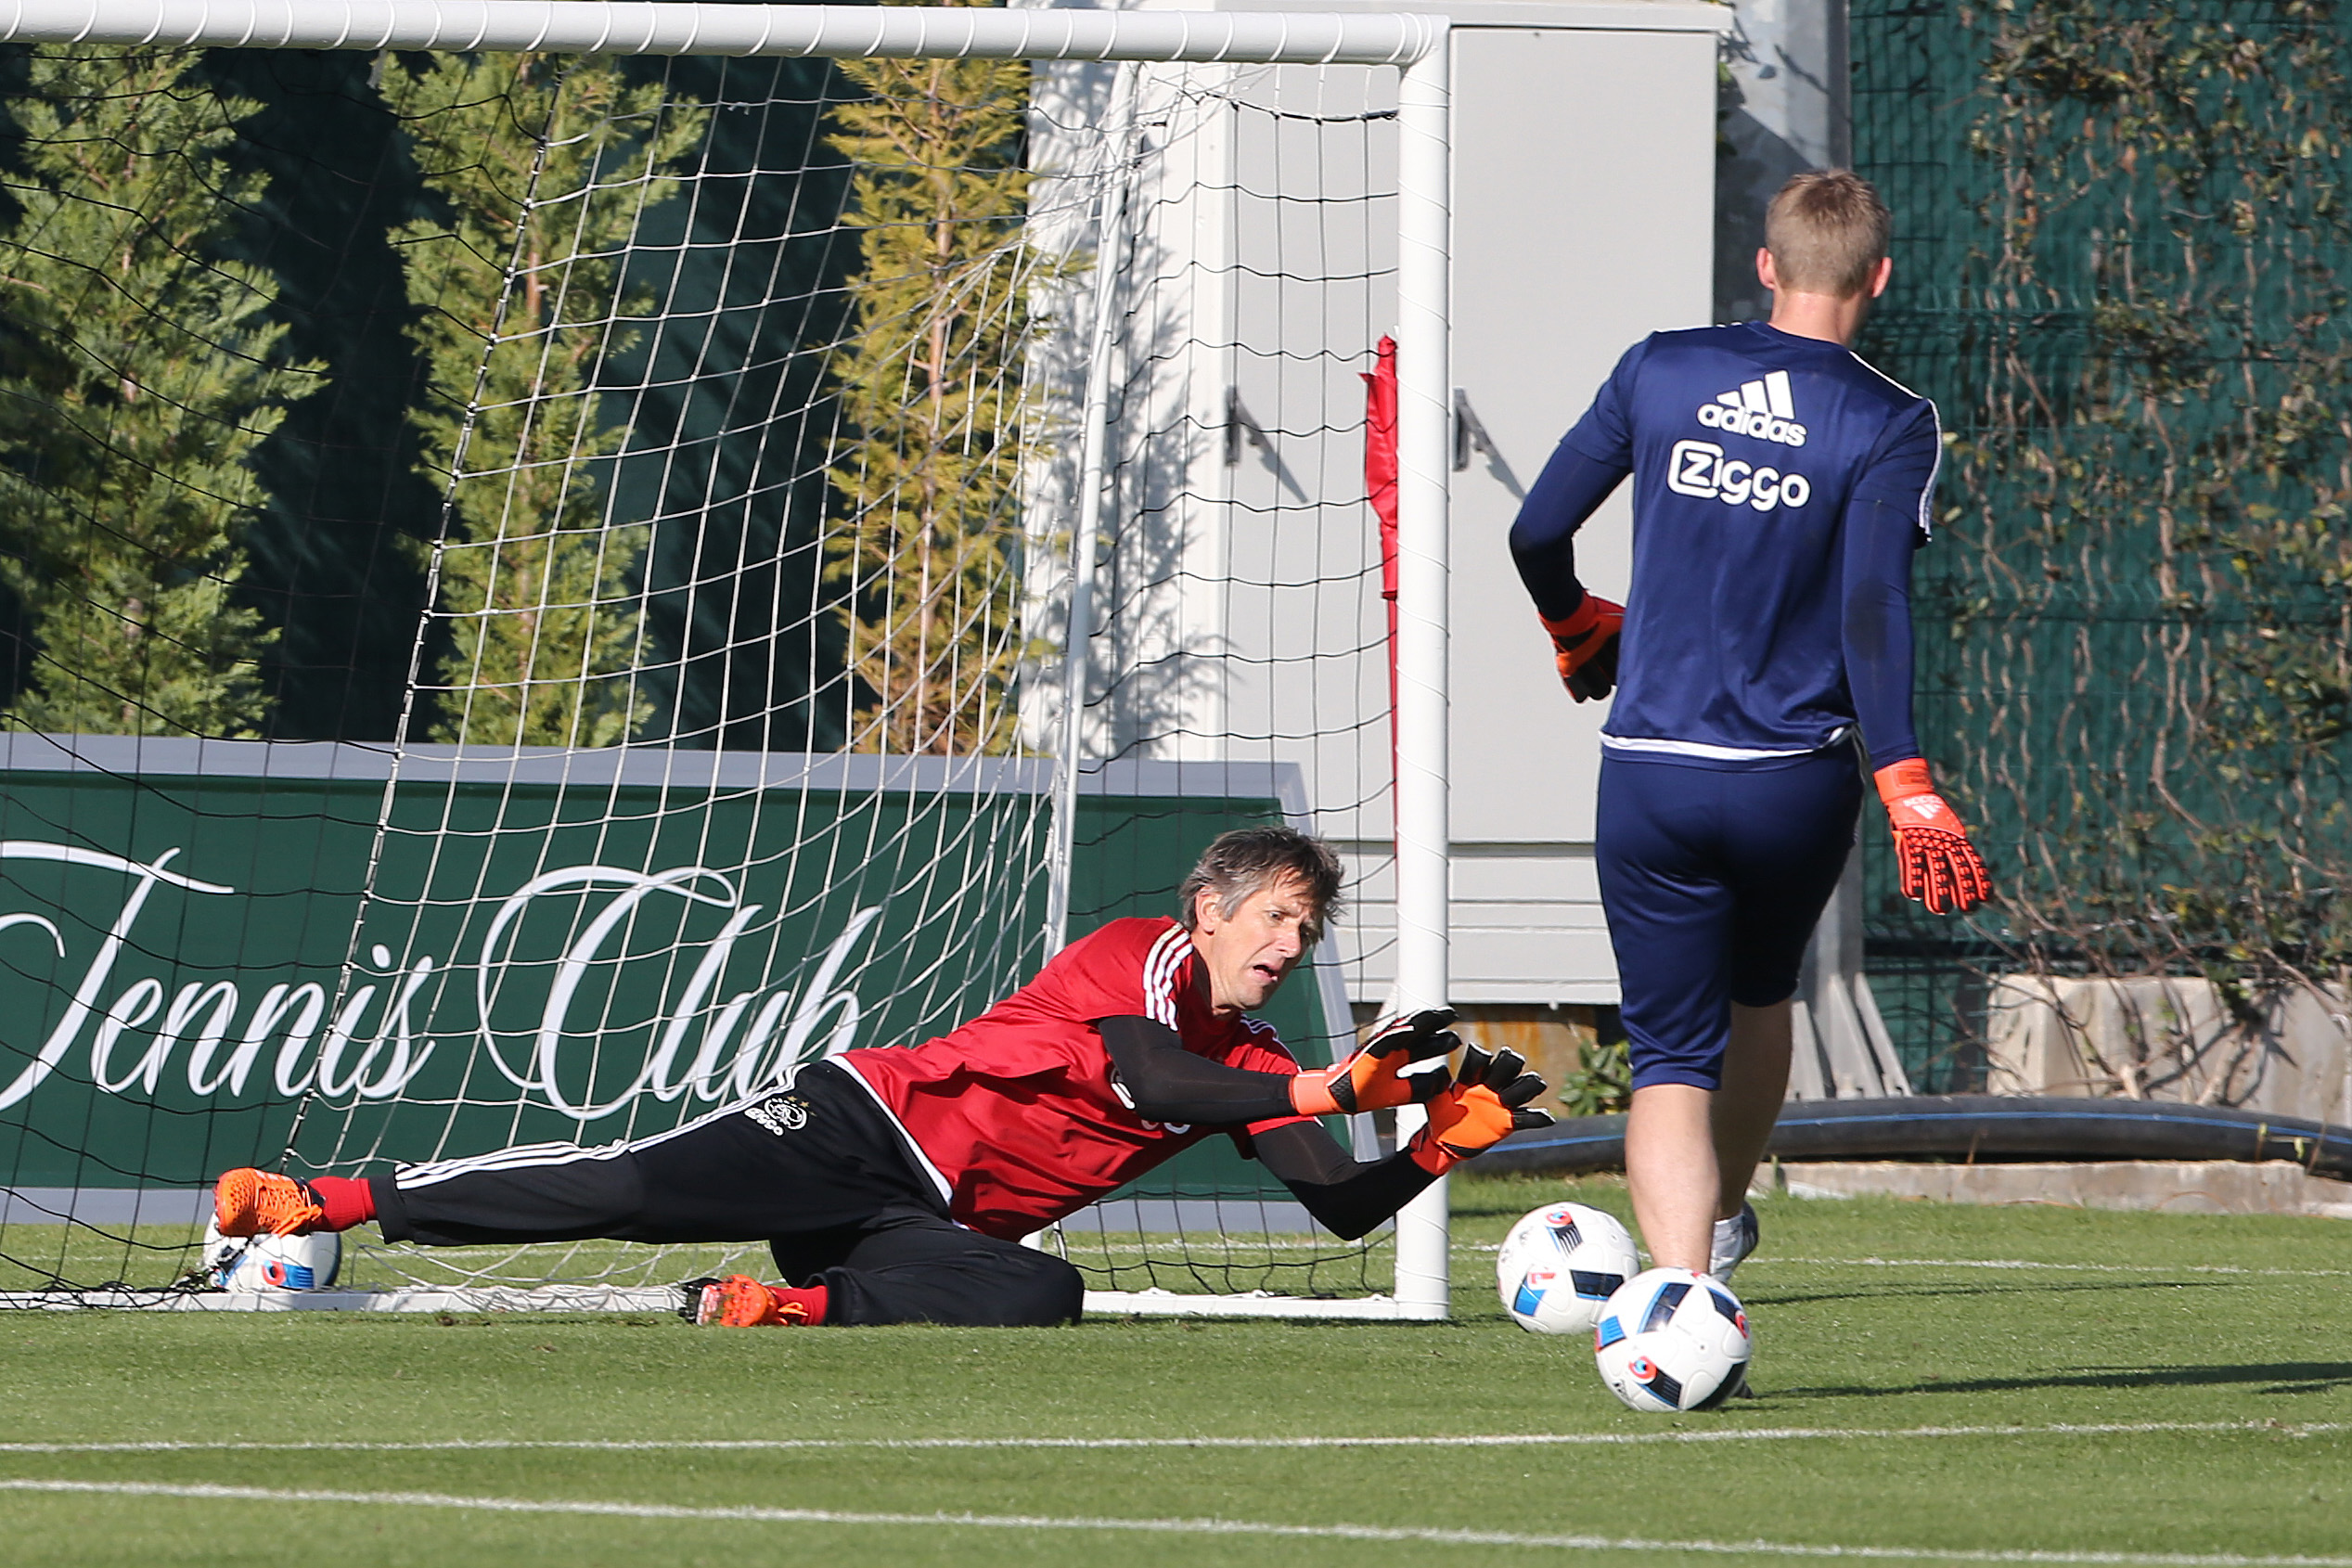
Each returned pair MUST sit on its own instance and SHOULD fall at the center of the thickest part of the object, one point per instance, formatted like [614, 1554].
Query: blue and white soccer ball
[1558, 1263]
[1672, 1340]
[271, 1263]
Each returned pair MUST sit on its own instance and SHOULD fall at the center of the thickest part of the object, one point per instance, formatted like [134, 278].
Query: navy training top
[1780, 485]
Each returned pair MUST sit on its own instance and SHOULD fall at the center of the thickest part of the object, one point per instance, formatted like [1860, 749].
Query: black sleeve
[1543, 539]
[1346, 1197]
[1163, 1082]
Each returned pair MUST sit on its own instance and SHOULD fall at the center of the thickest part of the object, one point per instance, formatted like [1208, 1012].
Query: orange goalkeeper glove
[1487, 1104]
[1937, 864]
[1369, 1080]
[1585, 646]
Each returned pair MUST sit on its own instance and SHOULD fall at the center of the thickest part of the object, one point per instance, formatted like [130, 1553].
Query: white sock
[1723, 1249]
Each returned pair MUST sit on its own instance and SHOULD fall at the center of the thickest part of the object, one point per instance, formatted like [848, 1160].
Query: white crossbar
[664, 28]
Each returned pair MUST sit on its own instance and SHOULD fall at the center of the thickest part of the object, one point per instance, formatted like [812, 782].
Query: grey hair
[1250, 860]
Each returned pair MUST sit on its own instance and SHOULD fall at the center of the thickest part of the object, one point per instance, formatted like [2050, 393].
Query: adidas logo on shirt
[1761, 408]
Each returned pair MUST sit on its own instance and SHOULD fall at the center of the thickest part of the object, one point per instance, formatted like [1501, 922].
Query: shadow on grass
[2282, 1377]
[2022, 1288]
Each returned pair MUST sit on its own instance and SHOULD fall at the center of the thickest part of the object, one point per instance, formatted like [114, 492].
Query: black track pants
[814, 1170]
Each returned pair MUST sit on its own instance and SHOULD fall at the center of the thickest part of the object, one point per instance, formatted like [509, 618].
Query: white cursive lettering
[701, 1047]
[85, 994]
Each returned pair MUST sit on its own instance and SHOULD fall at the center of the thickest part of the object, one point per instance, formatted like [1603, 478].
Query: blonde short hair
[1827, 230]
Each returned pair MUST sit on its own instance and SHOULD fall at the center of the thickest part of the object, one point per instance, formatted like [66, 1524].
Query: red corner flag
[1379, 460]
[1380, 485]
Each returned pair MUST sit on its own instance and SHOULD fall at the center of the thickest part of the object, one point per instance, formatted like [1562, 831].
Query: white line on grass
[1766, 1260]
[2066, 1268]
[1151, 1526]
[1497, 1440]
[1241, 1239]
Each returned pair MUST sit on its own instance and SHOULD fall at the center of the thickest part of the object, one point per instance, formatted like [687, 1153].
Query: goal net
[845, 526]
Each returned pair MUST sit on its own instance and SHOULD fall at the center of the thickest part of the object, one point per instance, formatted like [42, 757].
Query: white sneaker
[1734, 1239]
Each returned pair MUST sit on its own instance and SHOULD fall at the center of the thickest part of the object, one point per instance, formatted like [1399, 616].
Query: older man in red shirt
[894, 1183]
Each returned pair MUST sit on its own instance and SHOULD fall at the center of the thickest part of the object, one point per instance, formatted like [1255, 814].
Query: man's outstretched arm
[1164, 1081]
[1167, 1083]
[1348, 1197]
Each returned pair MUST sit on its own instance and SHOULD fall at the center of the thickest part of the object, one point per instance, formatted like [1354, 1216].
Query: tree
[545, 165]
[138, 373]
[931, 391]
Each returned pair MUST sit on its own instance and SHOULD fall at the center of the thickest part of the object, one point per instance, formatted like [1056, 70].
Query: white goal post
[1415, 46]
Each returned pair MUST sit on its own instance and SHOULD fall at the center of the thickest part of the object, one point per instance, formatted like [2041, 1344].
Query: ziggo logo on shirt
[1696, 467]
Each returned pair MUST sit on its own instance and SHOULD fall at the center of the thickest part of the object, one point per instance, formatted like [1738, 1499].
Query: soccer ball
[1558, 1263]
[271, 1263]
[1672, 1340]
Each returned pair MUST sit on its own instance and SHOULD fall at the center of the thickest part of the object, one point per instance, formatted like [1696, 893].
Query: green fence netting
[2122, 259]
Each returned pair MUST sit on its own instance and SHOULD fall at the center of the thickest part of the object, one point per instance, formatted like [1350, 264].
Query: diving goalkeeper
[894, 1185]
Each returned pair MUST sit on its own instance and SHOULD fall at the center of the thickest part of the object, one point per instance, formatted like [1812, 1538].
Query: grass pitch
[1935, 1384]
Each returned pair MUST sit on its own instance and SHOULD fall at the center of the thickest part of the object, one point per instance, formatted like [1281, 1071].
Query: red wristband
[1311, 1096]
[1900, 780]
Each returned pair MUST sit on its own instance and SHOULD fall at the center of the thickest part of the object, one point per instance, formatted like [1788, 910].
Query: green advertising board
[213, 952]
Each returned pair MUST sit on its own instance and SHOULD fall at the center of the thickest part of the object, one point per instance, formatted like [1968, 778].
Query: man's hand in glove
[1369, 1080]
[1936, 862]
[1487, 1104]
[1583, 644]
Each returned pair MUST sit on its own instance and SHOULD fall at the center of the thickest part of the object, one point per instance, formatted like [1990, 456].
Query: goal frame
[1416, 45]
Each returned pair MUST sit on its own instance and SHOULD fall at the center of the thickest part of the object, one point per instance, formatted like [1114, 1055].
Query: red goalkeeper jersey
[1015, 1113]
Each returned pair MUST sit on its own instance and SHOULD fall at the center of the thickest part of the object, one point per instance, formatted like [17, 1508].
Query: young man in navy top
[1780, 485]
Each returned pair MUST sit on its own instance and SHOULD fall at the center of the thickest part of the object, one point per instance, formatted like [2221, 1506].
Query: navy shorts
[1712, 879]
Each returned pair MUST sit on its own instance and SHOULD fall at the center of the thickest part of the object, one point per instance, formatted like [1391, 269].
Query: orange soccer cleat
[741, 1302]
[250, 1203]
